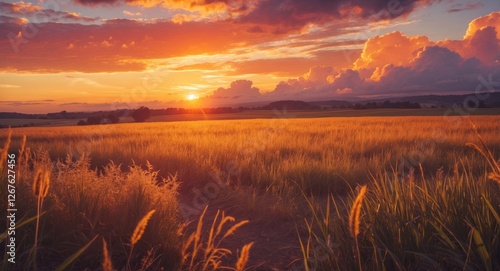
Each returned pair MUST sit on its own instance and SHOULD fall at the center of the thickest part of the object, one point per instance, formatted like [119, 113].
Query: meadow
[285, 188]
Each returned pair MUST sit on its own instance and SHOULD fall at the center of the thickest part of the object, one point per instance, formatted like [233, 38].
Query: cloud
[398, 64]
[9, 86]
[393, 48]
[482, 40]
[128, 13]
[485, 45]
[26, 103]
[434, 69]
[295, 14]
[20, 8]
[115, 45]
[238, 89]
[202, 7]
[37, 14]
[492, 19]
[458, 7]
[283, 16]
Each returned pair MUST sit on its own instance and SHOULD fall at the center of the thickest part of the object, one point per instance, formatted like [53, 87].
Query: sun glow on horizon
[192, 97]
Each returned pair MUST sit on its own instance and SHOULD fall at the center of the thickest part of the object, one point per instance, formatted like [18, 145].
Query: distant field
[38, 122]
[265, 114]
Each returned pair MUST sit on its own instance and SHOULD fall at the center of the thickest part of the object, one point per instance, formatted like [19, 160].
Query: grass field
[428, 201]
[269, 114]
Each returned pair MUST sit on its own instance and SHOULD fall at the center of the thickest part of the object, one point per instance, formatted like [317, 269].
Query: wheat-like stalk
[234, 228]
[137, 234]
[5, 150]
[37, 182]
[44, 189]
[244, 256]
[22, 158]
[354, 220]
[140, 228]
[494, 176]
[41, 183]
[107, 265]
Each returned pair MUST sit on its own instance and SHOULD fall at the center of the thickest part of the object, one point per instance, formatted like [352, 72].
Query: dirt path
[275, 247]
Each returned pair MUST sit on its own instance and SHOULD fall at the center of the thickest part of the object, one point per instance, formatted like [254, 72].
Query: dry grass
[103, 179]
[354, 220]
[203, 251]
[107, 264]
[318, 154]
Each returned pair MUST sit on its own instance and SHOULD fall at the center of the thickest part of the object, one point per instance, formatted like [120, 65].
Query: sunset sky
[86, 55]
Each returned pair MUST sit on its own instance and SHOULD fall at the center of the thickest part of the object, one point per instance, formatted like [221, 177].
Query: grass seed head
[140, 228]
[107, 265]
[354, 219]
[244, 256]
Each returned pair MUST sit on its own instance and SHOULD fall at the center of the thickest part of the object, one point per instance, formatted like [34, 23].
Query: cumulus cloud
[237, 90]
[485, 45]
[482, 40]
[396, 63]
[393, 48]
[492, 19]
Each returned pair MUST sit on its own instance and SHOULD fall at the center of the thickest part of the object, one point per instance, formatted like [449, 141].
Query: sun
[191, 97]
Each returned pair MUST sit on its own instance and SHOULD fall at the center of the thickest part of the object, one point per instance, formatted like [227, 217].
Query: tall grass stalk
[202, 254]
[442, 222]
[137, 234]
[107, 264]
[244, 257]
[41, 186]
[354, 220]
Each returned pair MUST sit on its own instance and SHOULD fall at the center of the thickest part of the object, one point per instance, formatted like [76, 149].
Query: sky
[88, 55]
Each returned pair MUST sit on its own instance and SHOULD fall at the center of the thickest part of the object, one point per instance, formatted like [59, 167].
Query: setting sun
[191, 97]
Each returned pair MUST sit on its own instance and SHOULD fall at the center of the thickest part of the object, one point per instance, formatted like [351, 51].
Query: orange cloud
[393, 48]
[28, 11]
[396, 63]
[492, 19]
[93, 51]
[21, 7]
[128, 13]
[482, 40]
[282, 16]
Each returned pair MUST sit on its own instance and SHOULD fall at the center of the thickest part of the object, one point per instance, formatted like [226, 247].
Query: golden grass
[5, 149]
[107, 264]
[41, 183]
[244, 257]
[354, 215]
[140, 228]
[354, 220]
[204, 252]
[137, 234]
[91, 196]
[318, 154]
[41, 186]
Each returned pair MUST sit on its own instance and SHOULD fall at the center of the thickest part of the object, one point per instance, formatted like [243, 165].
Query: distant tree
[358, 106]
[94, 120]
[141, 114]
[81, 122]
[113, 118]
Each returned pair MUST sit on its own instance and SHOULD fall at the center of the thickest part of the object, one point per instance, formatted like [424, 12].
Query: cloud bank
[398, 64]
